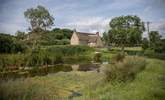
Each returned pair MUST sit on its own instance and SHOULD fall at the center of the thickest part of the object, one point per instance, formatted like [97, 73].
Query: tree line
[128, 31]
[123, 31]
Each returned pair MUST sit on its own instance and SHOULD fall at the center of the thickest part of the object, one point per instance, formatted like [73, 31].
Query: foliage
[56, 36]
[11, 61]
[126, 30]
[148, 85]
[39, 17]
[10, 45]
[152, 54]
[41, 57]
[20, 35]
[118, 57]
[155, 42]
[44, 56]
[154, 38]
[106, 38]
[97, 57]
[69, 50]
[125, 70]
[145, 43]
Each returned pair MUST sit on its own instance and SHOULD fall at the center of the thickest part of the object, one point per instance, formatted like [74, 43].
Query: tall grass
[44, 56]
[125, 69]
[11, 61]
[97, 57]
[69, 50]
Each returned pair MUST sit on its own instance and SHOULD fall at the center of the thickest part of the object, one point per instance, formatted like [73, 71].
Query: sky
[82, 15]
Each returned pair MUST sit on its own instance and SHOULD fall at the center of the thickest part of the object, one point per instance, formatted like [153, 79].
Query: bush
[118, 57]
[97, 57]
[69, 50]
[150, 53]
[9, 44]
[44, 57]
[125, 70]
[36, 58]
[11, 61]
[145, 43]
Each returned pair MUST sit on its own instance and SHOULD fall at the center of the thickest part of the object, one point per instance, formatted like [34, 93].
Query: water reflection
[85, 67]
[44, 70]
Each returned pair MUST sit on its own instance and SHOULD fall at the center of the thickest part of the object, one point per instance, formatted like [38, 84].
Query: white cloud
[158, 26]
[11, 28]
[90, 24]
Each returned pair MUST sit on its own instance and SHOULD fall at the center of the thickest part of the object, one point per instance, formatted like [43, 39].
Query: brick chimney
[97, 33]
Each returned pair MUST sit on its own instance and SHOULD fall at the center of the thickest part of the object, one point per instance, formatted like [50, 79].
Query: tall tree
[40, 19]
[154, 39]
[106, 38]
[126, 30]
[145, 43]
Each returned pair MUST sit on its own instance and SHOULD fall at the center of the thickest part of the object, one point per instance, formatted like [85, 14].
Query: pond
[45, 70]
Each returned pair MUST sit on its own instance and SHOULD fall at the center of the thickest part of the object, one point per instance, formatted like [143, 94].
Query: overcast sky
[84, 15]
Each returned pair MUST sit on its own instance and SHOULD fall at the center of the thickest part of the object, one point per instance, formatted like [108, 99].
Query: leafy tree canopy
[126, 30]
[39, 17]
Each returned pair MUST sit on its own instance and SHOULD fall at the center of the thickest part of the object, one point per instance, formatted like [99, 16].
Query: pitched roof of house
[89, 37]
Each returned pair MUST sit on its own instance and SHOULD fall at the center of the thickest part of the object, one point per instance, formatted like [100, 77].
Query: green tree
[154, 38]
[145, 43]
[106, 38]
[40, 19]
[20, 35]
[9, 44]
[126, 30]
[57, 36]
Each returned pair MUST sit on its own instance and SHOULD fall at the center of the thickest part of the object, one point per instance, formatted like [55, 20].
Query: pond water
[44, 70]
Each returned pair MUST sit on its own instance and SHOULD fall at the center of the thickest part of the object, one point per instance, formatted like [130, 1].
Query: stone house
[90, 39]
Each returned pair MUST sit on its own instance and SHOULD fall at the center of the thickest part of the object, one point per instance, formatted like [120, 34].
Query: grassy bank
[45, 56]
[147, 85]
[61, 85]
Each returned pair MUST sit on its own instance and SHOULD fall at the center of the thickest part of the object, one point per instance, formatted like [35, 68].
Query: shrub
[145, 43]
[118, 57]
[36, 58]
[57, 58]
[125, 70]
[150, 53]
[11, 61]
[97, 57]
[44, 57]
[9, 44]
[69, 50]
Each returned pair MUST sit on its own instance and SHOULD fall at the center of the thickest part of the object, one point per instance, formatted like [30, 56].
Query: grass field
[147, 85]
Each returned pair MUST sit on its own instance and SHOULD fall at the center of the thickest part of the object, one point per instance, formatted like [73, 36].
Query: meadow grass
[148, 85]
[61, 85]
